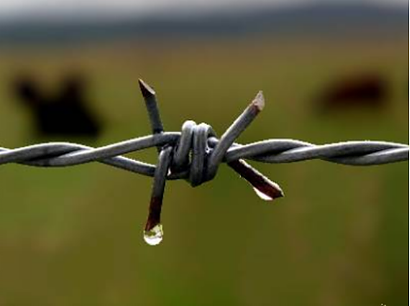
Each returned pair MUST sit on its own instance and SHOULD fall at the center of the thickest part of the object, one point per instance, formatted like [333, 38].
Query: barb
[195, 153]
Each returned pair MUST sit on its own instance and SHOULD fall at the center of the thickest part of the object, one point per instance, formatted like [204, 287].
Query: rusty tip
[259, 101]
[268, 190]
[150, 224]
[146, 90]
[154, 215]
[278, 191]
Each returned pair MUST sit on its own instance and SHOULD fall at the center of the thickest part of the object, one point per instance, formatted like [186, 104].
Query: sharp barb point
[146, 90]
[263, 186]
[259, 101]
[196, 153]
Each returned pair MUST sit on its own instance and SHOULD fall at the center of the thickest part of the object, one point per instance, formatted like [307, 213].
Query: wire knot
[195, 154]
[192, 152]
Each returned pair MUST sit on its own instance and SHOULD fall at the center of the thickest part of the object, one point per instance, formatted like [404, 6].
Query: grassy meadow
[73, 236]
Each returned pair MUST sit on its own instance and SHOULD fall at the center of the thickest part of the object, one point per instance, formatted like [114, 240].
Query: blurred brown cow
[355, 91]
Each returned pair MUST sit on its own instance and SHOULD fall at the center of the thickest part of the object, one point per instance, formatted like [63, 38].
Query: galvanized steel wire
[196, 152]
[62, 154]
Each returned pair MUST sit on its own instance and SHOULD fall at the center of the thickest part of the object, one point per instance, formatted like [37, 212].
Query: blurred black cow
[62, 114]
[355, 91]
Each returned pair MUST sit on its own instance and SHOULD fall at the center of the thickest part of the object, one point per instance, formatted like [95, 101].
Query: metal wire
[196, 152]
[62, 154]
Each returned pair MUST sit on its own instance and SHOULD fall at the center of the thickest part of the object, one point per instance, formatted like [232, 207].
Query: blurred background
[330, 71]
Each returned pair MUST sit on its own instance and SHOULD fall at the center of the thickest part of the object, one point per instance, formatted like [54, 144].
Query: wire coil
[196, 152]
[62, 154]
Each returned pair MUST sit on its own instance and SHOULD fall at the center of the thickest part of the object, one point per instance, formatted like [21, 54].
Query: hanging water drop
[155, 235]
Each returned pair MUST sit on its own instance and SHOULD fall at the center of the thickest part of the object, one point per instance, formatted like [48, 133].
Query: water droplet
[262, 195]
[154, 236]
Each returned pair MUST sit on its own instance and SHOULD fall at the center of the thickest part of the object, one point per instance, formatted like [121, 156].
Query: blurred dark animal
[62, 114]
[355, 91]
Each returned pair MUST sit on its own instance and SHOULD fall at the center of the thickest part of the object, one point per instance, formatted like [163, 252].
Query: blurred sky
[107, 8]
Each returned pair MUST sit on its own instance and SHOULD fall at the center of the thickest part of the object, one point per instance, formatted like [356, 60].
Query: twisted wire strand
[196, 152]
[62, 154]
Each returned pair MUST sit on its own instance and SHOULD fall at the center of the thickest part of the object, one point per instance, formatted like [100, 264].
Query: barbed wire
[62, 154]
[196, 152]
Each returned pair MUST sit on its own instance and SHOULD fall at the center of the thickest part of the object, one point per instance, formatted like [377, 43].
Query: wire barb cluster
[196, 152]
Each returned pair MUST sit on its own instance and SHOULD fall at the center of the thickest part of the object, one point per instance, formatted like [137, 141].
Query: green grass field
[73, 236]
